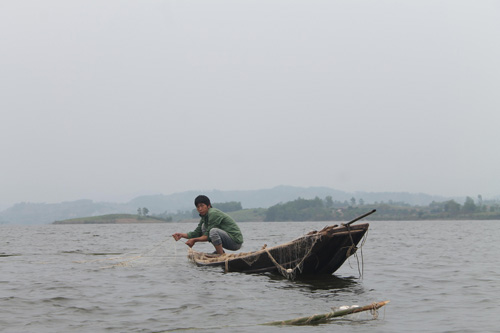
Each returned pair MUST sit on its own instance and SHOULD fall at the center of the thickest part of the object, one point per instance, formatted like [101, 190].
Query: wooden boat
[318, 252]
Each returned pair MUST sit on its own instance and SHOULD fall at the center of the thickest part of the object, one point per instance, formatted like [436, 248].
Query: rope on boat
[354, 249]
[290, 273]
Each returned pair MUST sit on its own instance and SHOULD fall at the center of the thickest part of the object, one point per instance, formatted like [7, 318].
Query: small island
[113, 219]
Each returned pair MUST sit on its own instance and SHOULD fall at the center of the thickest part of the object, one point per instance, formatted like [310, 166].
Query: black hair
[202, 199]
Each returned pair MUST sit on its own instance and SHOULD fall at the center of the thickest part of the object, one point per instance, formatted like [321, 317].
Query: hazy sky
[107, 100]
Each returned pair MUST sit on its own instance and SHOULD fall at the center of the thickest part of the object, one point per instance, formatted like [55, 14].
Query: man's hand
[190, 242]
[179, 235]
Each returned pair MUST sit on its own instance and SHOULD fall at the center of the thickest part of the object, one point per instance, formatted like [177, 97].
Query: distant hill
[42, 213]
[268, 197]
[112, 219]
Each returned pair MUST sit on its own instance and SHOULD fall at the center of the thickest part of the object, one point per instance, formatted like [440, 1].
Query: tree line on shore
[327, 209]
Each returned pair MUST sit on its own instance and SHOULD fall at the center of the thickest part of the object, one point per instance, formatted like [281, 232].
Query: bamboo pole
[360, 217]
[316, 319]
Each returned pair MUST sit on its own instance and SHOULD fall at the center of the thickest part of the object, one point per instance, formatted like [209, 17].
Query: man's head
[202, 204]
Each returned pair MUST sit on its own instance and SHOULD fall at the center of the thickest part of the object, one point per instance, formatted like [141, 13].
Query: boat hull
[319, 252]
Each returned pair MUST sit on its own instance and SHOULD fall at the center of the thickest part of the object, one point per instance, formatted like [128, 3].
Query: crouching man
[215, 226]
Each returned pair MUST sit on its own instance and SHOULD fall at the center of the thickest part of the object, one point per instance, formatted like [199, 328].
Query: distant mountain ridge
[41, 213]
[268, 197]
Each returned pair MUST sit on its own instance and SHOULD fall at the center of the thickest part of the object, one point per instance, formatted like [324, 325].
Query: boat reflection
[319, 282]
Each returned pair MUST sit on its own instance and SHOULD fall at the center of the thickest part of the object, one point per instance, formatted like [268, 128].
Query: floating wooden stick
[316, 319]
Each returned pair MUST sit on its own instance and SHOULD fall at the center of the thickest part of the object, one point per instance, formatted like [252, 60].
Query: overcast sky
[107, 100]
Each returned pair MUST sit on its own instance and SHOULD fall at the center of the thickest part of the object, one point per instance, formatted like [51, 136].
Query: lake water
[440, 276]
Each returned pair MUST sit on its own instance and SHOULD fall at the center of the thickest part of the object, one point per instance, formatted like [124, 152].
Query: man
[215, 226]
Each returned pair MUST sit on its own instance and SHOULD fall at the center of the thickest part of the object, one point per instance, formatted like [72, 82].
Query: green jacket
[217, 219]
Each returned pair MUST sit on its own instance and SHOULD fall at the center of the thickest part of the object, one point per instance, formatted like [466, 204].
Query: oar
[315, 319]
[360, 217]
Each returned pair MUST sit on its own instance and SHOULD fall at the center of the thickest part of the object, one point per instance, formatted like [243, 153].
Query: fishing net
[289, 258]
[166, 250]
